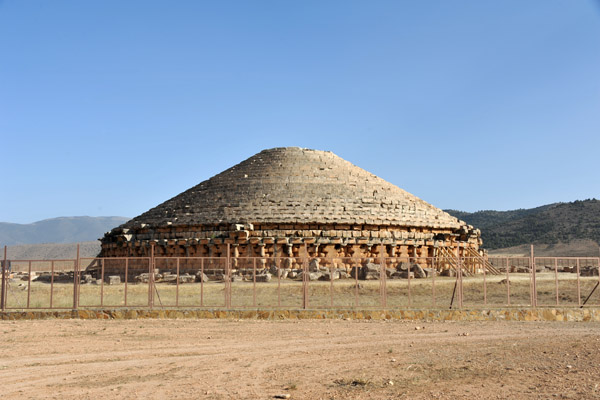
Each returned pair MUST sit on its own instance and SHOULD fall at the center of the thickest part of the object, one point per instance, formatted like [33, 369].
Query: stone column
[261, 252]
[315, 250]
[289, 261]
[235, 254]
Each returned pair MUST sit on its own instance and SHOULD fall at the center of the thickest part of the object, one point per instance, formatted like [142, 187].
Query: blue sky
[111, 107]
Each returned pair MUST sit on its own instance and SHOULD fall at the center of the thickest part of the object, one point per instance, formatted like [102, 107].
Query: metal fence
[305, 282]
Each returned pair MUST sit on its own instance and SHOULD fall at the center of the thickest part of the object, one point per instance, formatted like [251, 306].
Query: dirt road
[222, 359]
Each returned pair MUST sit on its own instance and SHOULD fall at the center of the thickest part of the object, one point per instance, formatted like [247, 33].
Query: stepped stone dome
[287, 197]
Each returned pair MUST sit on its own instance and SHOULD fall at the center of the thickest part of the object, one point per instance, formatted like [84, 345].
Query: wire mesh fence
[300, 282]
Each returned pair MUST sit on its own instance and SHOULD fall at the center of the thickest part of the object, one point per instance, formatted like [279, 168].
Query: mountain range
[58, 230]
[554, 224]
[558, 229]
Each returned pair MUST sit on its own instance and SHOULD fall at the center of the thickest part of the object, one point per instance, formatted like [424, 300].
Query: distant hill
[58, 230]
[53, 251]
[552, 224]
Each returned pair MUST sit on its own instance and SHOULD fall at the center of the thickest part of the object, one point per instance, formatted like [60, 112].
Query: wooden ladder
[448, 257]
[474, 255]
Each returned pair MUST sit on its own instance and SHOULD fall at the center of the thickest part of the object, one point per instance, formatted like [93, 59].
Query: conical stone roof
[293, 185]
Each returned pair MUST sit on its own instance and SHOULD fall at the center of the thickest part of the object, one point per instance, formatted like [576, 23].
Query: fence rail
[299, 282]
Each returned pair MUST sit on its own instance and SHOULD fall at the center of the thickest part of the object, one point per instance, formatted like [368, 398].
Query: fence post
[227, 280]
[533, 283]
[383, 276]
[507, 283]
[578, 284]
[305, 278]
[3, 285]
[76, 280]
[151, 278]
[460, 282]
[435, 263]
[484, 285]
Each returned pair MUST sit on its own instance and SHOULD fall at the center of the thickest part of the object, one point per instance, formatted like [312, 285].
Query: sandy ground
[222, 359]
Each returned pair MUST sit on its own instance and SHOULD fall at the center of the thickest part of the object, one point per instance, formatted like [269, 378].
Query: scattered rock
[169, 278]
[264, 277]
[201, 277]
[430, 272]
[448, 272]
[405, 274]
[343, 274]
[418, 272]
[142, 278]
[283, 273]
[370, 271]
[312, 276]
[588, 271]
[59, 277]
[330, 275]
[313, 266]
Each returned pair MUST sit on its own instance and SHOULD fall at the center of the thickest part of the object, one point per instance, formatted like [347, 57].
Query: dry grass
[288, 294]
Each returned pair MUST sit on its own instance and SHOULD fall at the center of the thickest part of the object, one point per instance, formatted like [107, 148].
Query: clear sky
[112, 107]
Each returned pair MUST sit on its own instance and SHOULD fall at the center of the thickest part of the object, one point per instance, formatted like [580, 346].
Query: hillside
[53, 251]
[58, 230]
[562, 229]
[552, 224]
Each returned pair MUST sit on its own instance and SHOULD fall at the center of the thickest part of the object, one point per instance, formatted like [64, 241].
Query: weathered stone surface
[168, 278]
[113, 280]
[313, 266]
[273, 270]
[201, 277]
[405, 274]
[281, 200]
[448, 272]
[187, 278]
[588, 271]
[312, 276]
[370, 271]
[313, 174]
[396, 275]
[283, 273]
[343, 274]
[418, 271]
[57, 277]
[330, 275]
[430, 272]
[266, 277]
[142, 278]
[404, 266]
